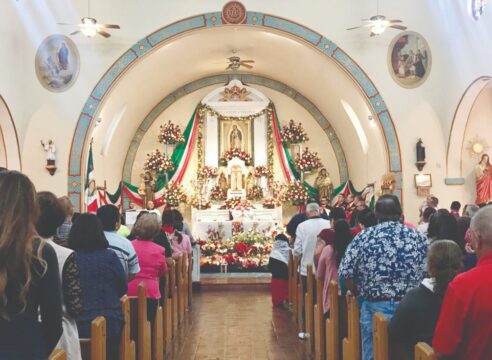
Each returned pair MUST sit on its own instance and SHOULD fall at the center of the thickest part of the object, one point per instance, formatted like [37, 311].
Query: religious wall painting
[57, 63]
[409, 59]
[236, 134]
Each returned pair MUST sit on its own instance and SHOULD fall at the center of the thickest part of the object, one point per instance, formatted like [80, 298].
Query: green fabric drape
[116, 196]
[178, 153]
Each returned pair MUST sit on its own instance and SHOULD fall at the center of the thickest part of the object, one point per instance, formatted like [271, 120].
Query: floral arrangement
[217, 193]
[232, 153]
[174, 194]
[308, 161]
[296, 193]
[236, 203]
[262, 171]
[158, 162]
[206, 172]
[201, 203]
[293, 134]
[170, 134]
[255, 193]
[271, 203]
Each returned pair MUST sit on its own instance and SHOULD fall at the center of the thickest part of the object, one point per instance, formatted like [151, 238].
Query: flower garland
[204, 109]
[201, 203]
[262, 171]
[199, 142]
[270, 151]
[255, 193]
[217, 193]
[232, 153]
[293, 134]
[233, 203]
[271, 203]
[308, 161]
[206, 172]
[158, 162]
[296, 193]
[174, 194]
[170, 134]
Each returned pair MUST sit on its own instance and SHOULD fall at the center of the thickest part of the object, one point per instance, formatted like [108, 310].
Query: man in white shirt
[306, 237]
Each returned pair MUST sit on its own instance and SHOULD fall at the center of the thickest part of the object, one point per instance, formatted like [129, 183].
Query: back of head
[342, 239]
[456, 206]
[428, 212]
[444, 263]
[109, 215]
[87, 234]
[435, 201]
[471, 210]
[168, 218]
[367, 218]
[51, 214]
[388, 208]
[177, 216]
[19, 211]
[147, 227]
[462, 225]
[66, 205]
[312, 209]
[281, 237]
[337, 214]
[442, 225]
[481, 227]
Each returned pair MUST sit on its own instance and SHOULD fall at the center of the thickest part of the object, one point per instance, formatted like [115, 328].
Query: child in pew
[102, 279]
[416, 316]
[279, 267]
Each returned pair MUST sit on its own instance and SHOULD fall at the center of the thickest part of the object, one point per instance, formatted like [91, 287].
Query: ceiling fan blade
[372, 34]
[398, 27]
[103, 33]
[248, 61]
[395, 21]
[75, 32]
[247, 66]
[66, 24]
[355, 27]
[110, 26]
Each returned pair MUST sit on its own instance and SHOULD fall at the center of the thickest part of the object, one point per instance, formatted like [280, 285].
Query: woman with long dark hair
[416, 316]
[30, 292]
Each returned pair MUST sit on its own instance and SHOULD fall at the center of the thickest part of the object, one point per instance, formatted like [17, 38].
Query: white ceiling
[202, 53]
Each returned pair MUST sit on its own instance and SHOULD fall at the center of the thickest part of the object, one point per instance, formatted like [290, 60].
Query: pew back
[424, 352]
[95, 347]
[351, 344]
[127, 345]
[333, 324]
[380, 336]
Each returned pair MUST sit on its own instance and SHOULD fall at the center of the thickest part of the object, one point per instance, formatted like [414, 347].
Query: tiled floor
[237, 322]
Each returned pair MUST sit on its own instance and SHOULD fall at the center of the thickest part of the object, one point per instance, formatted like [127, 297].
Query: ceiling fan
[235, 63]
[90, 27]
[378, 24]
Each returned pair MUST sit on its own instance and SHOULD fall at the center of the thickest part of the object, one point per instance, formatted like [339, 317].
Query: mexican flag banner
[91, 193]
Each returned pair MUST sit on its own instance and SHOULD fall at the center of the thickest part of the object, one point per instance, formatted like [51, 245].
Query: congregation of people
[59, 270]
[431, 280]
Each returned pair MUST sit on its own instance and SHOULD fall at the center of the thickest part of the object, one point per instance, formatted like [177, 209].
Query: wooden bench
[424, 352]
[174, 297]
[380, 336]
[309, 307]
[58, 354]
[127, 345]
[351, 344]
[168, 314]
[294, 288]
[95, 347]
[140, 326]
[300, 304]
[190, 280]
[319, 323]
[158, 336]
[333, 324]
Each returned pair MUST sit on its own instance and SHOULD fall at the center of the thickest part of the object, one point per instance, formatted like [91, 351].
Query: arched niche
[9, 143]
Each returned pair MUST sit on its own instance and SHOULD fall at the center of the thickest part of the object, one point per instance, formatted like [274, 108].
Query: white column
[211, 141]
[260, 141]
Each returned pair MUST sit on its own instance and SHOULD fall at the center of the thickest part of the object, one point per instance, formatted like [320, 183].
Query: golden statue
[147, 187]
[223, 182]
[323, 184]
[250, 182]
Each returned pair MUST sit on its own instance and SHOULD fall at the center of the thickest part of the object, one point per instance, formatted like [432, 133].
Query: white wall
[459, 55]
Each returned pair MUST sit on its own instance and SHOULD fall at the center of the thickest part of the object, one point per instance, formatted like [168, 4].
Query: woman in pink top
[181, 243]
[152, 261]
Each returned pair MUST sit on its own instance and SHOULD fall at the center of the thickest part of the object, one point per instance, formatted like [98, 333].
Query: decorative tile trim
[454, 181]
[225, 78]
[213, 19]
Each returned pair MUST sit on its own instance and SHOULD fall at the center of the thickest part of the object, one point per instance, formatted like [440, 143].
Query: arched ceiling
[201, 53]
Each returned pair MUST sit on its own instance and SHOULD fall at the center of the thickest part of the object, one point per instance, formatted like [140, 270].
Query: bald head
[481, 227]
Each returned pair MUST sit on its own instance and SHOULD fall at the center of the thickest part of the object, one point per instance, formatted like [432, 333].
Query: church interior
[241, 116]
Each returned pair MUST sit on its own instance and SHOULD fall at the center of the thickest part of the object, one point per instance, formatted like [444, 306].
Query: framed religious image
[57, 63]
[409, 59]
[423, 180]
[236, 134]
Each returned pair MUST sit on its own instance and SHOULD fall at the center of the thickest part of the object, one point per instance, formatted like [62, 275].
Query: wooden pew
[158, 336]
[333, 324]
[319, 323]
[309, 307]
[380, 336]
[174, 298]
[351, 344]
[140, 326]
[294, 285]
[183, 288]
[58, 354]
[127, 345]
[179, 288]
[95, 347]
[291, 278]
[300, 302]
[190, 280]
[424, 352]
[168, 314]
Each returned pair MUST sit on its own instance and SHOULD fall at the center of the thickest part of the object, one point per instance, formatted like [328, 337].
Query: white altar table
[202, 228]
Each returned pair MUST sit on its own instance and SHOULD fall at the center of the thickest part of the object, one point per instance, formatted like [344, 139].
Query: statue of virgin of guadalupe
[483, 174]
[236, 138]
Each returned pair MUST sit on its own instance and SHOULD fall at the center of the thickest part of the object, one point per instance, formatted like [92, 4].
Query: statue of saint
[483, 174]
[147, 187]
[236, 138]
[50, 150]
[323, 184]
[250, 182]
[223, 182]
[236, 178]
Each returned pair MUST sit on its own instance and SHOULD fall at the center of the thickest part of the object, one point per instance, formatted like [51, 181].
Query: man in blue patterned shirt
[381, 264]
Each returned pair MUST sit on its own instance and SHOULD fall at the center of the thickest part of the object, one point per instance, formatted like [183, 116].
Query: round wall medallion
[234, 12]
[409, 59]
[57, 63]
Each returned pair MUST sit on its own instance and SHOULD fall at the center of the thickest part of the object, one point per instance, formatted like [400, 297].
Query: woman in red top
[152, 261]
